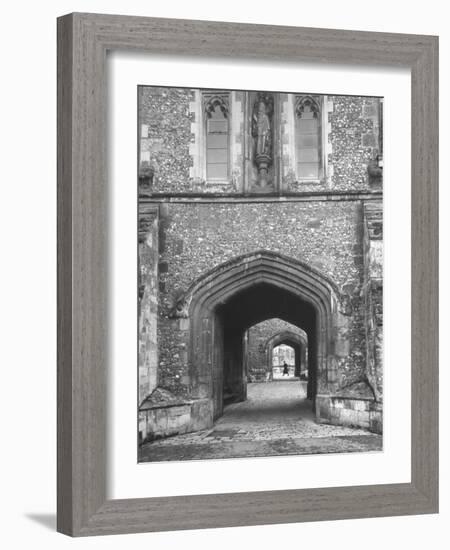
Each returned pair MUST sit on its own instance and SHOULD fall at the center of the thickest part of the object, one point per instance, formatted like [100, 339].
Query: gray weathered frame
[83, 40]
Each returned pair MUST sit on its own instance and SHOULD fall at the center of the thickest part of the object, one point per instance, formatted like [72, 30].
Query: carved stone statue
[262, 131]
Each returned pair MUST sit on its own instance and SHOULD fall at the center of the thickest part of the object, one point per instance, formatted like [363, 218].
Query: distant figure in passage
[285, 369]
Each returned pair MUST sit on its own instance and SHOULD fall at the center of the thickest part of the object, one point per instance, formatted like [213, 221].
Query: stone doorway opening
[255, 304]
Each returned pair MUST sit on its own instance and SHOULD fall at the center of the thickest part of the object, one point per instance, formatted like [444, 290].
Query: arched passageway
[224, 303]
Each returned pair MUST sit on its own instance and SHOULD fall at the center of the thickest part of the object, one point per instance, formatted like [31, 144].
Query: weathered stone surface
[148, 300]
[165, 114]
[354, 135]
[372, 291]
[356, 411]
[173, 416]
[160, 397]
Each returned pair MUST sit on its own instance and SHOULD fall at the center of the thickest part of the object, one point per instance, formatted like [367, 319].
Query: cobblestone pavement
[276, 419]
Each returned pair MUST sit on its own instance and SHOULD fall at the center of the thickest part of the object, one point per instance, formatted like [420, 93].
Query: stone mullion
[327, 145]
[278, 147]
[246, 144]
[197, 147]
[237, 140]
[287, 141]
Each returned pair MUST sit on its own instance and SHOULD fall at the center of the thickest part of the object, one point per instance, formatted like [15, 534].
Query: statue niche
[262, 132]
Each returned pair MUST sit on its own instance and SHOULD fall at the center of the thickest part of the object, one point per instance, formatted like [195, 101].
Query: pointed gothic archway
[222, 304]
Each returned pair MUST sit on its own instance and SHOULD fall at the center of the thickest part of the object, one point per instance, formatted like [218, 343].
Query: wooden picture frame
[83, 41]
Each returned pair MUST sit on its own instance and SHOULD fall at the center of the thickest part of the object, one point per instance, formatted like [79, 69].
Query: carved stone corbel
[375, 172]
[181, 308]
[345, 305]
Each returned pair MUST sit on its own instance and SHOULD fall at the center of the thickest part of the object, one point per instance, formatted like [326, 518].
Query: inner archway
[298, 341]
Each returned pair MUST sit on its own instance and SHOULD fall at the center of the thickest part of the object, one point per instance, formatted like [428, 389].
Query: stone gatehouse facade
[258, 207]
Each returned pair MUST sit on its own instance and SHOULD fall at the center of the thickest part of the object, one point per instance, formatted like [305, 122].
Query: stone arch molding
[307, 101]
[213, 100]
[272, 267]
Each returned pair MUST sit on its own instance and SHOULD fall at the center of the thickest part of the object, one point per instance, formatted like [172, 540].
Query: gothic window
[308, 147]
[217, 136]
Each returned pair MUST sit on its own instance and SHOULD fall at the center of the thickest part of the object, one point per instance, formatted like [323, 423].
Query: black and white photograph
[260, 273]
